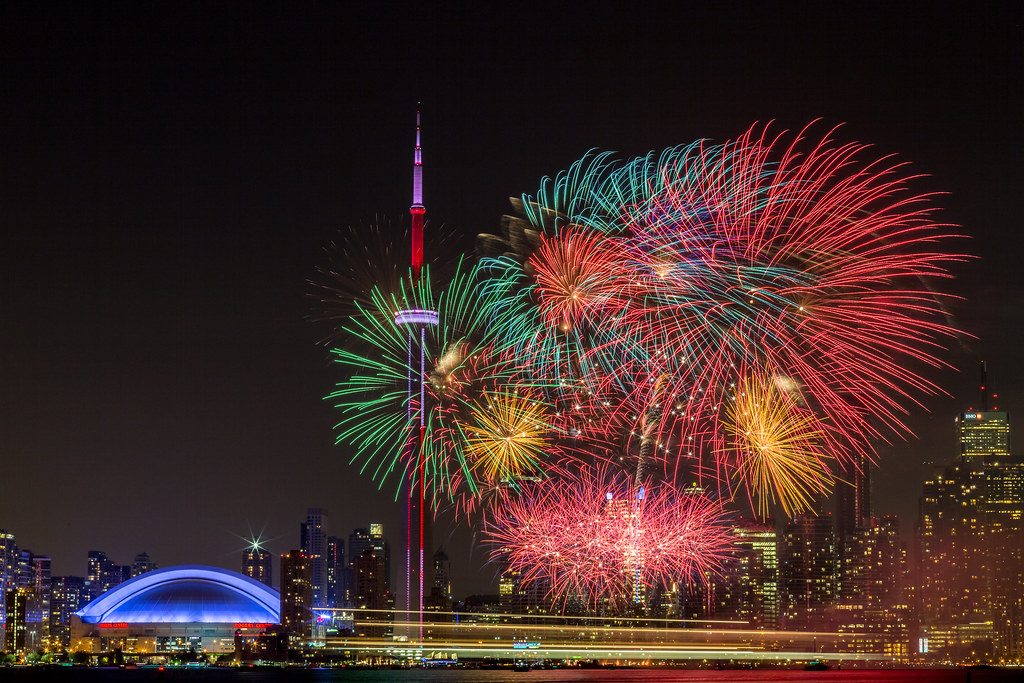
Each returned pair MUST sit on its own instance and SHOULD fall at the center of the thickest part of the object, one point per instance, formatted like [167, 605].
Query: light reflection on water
[145, 675]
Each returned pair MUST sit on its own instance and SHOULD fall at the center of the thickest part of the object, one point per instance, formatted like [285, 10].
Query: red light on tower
[417, 209]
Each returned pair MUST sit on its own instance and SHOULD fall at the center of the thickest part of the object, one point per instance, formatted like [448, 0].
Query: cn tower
[416, 321]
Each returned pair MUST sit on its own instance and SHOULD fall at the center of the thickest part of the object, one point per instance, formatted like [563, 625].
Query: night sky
[172, 172]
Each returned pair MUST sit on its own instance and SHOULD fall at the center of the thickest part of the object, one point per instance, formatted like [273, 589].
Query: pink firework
[595, 538]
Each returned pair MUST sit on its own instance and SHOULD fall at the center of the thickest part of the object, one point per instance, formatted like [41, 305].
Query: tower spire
[417, 209]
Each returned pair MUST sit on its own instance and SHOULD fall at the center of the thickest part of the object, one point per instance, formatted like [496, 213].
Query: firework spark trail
[595, 537]
[472, 397]
[692, 267]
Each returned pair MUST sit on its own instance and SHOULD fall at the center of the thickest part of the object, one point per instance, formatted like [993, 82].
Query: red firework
[594, 538]
[708, 266]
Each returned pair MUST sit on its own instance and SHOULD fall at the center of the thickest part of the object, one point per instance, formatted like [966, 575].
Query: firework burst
[778, 447]
[598, 538]
[648, 290]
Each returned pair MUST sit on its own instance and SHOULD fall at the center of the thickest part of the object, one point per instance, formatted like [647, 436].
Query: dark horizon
[173, 173]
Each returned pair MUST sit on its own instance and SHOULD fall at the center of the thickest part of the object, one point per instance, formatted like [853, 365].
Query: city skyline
[163, 212]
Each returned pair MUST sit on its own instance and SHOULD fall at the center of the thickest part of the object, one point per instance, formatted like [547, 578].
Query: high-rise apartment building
[297, 597]
[337, 572]
[67, 595]
[809, 571]
[258, 564]
[15, 616]
[142, 564]
[103, 574]
[8, 570]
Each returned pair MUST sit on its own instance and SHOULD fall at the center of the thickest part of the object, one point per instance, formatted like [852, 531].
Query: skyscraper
[297, 597]
[440, 599]
[808, 571]
[372, 598]
[8, 569]
[314, 545]
[337, 572]
[67, 595]
[984, 434]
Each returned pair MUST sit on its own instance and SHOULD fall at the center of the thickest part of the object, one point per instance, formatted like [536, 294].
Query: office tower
[808, 559]
[142, 564]
[984, 434]
[373, 600]
[756, 548]
[337, 572]
[314, 545]
[67, 595]
[258, 564]
[361, 540]
[297, 597]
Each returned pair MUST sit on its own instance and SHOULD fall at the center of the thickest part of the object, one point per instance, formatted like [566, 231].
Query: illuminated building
[15, 617]
[953, 579]
[757, 547]
[873, 611]
[971, 562]
[174, 610]
[314, 545]
[40, 582]
[372, 598]
[337, 574]
[8, 570]
[258, 564]
[808, 572]
[361, 540]
[984, 434]
[297, 597]
[103, 574]
[142, 564]
[853, 498]
[748, 586]
[68, 594]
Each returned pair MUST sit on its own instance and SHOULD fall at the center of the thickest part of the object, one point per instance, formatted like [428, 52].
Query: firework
[778, 447]
[483, 432]
[595, 537]
[648, 290]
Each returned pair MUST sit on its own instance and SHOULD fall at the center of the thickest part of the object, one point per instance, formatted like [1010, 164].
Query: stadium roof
[186, 594]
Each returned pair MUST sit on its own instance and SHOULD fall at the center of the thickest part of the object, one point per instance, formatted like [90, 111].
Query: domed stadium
[188, 607]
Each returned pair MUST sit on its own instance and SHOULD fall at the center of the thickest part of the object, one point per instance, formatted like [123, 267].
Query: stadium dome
[185, 594]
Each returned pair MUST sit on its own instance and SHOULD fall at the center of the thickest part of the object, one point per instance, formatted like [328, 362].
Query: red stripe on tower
[417, 209]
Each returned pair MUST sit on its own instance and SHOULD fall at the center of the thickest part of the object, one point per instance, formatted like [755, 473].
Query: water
[145, 675]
